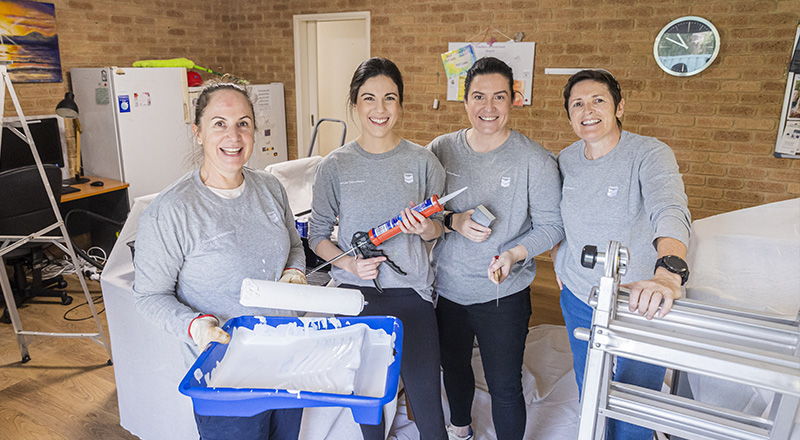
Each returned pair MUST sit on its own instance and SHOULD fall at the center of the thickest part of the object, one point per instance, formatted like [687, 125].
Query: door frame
[305, 68]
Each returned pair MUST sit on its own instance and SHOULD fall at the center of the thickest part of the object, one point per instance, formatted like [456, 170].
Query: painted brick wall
[721, 123]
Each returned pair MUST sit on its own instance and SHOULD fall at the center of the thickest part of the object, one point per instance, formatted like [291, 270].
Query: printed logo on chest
[273, 217]
[408, 177]
[612, 191]
[505, 181]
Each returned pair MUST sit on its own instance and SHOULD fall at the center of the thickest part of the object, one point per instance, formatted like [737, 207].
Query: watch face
[675, 264]
[686, 46]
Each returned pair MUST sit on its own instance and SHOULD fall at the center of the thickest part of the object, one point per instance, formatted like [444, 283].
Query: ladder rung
[681, 416]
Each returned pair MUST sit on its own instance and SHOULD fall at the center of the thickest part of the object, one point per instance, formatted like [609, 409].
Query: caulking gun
[370, 240]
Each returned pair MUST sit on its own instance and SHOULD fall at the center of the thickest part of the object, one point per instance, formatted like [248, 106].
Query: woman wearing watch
[483, 272]
[624, 187]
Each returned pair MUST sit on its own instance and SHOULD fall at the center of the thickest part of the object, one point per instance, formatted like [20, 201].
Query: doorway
[328, 48]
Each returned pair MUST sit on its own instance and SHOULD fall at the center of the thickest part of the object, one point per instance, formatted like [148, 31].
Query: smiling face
[592, 113]
[488, 104]
[227, 134]
[378, 107]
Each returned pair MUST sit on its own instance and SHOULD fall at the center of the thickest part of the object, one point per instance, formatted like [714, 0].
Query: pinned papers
[456, 64]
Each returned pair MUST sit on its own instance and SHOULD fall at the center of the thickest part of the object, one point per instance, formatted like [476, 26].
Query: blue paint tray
[246, 402]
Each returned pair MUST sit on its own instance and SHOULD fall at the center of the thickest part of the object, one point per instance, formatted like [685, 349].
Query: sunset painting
[28, 38]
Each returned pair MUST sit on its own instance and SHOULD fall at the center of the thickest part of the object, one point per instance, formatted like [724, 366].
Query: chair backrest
[24, 206]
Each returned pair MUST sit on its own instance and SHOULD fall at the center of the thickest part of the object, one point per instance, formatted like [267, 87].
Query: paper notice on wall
[519, 56]
[262, 100]
[789, 142]
[456, 64]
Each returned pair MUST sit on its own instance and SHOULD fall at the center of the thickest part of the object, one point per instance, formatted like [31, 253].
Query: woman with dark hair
[208, 231]
[483, 272]
[624, 187]
[363, 184]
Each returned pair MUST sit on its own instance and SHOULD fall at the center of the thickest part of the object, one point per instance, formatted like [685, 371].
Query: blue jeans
[579, 314]
[501, 328]
[277, 424]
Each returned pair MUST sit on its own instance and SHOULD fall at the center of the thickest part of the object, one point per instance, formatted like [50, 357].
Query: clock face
[686, 46]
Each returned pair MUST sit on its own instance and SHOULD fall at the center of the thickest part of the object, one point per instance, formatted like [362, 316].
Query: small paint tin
[302, 227]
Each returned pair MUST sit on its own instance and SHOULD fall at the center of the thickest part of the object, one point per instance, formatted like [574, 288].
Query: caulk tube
[379, 234]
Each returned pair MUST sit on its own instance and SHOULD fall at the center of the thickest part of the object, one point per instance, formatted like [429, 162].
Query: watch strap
[447, 220]
[683, 271]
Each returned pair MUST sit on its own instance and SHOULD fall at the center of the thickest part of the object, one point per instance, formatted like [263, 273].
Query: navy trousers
[278, 424]
[419, 367]
[501, 327]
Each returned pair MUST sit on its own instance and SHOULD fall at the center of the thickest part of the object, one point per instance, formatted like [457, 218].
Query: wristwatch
[675, 265]
[447, 220]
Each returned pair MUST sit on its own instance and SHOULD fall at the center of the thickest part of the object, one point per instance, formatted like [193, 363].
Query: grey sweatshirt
[519, 183]
[633, 195]
[194, 248]
[364, 190]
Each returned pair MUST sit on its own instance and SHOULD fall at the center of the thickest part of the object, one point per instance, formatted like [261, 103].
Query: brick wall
[721, 123]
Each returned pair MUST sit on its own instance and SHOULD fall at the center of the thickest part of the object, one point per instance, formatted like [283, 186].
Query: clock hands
[684, 43]
[681, 44]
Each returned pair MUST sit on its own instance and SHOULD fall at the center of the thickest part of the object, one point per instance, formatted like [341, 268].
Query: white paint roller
[301, 297]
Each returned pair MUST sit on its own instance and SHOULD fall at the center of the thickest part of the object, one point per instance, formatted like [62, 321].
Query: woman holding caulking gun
[483, 271]
[364, 183]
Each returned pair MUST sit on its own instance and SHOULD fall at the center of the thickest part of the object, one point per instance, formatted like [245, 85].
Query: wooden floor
[67, 391]
[545, 295]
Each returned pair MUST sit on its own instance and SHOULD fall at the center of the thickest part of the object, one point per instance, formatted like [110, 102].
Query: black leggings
[501, 328]
[419, 367]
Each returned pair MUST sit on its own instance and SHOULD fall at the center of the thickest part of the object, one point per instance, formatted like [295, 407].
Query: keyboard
[66, 189]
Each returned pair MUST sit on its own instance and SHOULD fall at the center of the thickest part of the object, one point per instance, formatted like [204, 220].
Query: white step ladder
[750, 348]
[10, 242]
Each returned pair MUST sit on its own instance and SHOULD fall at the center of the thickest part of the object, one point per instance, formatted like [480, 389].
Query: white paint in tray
[337, 360]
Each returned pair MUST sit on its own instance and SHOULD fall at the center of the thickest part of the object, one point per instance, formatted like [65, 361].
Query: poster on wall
[456, 64]
[788, 142]
[518, 55]
[28, 38]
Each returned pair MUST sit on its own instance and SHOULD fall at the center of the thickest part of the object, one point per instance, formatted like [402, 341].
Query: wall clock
[686, 46]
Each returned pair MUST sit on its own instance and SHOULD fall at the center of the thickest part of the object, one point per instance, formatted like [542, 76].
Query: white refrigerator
[136, 125]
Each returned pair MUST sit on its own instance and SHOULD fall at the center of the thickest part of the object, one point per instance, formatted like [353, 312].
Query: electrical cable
[80, 251]
[95, 300]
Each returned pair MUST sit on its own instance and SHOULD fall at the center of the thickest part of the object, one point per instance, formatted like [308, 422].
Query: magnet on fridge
[124, 103]
[267, 132]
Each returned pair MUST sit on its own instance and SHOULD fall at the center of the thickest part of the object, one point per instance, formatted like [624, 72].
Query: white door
[328, 48]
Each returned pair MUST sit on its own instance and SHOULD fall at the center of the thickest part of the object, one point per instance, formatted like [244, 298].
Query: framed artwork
[28, 38]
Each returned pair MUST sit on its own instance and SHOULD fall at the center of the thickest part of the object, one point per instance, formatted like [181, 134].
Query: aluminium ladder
[10, 242]
[749, 348]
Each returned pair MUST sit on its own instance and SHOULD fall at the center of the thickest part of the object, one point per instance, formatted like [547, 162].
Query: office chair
[25, 210]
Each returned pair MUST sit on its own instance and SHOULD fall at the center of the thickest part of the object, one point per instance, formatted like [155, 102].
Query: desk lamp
[69, 110]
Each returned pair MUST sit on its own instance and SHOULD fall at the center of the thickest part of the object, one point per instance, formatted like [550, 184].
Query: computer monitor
[48, 135]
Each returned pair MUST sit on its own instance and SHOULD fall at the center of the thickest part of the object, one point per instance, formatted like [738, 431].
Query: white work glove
[205, 329]
[294, 276]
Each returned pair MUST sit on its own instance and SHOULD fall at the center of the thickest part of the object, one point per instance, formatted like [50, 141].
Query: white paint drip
[320, 356]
